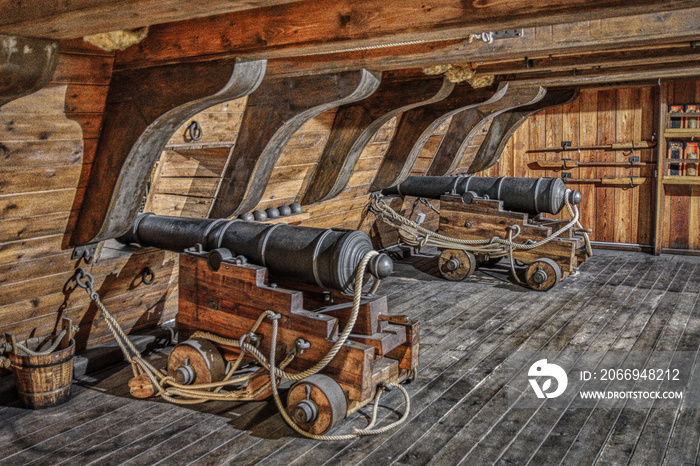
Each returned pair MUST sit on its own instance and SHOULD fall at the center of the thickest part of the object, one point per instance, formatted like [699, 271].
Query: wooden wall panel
[616, 214]
[47, 142]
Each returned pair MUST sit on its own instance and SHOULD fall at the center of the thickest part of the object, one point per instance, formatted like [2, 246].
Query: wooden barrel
[44, 381]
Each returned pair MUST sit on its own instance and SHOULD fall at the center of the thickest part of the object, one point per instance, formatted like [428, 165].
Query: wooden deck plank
[477, 418]
[578, 333]
[646, 428]
[460, 413]
[556, 443]
[458, 373]
[73, 442]
[540, 425]
[594, 431]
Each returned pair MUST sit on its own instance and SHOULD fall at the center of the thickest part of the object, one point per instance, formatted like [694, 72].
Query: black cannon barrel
[530, 195]
[327, 258]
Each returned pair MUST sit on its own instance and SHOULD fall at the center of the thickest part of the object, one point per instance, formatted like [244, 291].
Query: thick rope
[22, 348]
[356, 432]
[170, 390]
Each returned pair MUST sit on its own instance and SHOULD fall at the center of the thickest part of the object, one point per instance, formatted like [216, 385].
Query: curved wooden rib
[466, 125]
[504, 125]
[273, 114]
[354, 125]
[416, 126]
[26, 65]
[144, 108]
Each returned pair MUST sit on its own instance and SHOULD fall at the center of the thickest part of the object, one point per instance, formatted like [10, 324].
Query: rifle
[630, 181]
[629, 146]
[568, 163]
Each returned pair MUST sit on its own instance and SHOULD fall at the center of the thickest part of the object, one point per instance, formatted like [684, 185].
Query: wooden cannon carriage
[483, 220]
[224, 299]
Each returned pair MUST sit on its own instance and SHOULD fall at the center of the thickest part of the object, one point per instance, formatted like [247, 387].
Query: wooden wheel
[317, 404]
[543, 274]
[196, 361]
[456, 264]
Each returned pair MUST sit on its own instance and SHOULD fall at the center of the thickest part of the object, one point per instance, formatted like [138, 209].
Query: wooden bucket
[44, 381]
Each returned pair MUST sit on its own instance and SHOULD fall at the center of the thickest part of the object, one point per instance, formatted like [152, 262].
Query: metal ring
[241, 341]
[147, 275]
[220, 233]
[537, 185]
[262, 244]
[89, 279]
[195, 131]
[212, 225]
[314, 262]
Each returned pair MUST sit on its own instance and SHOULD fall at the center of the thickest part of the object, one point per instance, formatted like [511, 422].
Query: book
[691, 152]
[675, 122]
[675, 151]
[692, 122]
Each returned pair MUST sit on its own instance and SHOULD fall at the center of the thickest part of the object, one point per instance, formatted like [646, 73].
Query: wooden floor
[459, 413]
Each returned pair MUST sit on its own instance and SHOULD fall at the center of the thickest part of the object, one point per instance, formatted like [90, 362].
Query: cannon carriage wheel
[317, 404]
[543, 274]
[456, 264]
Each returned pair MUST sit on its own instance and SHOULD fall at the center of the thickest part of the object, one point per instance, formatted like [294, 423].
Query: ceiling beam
[582, 37]
[70, 19]
[287, 31]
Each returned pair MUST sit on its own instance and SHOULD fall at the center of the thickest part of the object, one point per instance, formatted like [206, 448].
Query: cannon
[326, 258]
[249, 289]
[528, 195]
[485, 219]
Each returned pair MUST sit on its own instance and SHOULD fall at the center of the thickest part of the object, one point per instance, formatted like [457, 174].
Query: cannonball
[247, 217]
[285, 210]
[296, 208]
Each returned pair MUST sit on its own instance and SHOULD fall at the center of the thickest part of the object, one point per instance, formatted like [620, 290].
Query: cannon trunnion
[242, 271]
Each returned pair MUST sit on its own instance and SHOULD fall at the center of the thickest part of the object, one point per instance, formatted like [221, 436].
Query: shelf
[669, 179]
[679, 161]
[673, 133]
[683, 114]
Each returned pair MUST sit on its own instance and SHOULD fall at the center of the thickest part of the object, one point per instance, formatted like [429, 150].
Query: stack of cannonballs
[271, 213]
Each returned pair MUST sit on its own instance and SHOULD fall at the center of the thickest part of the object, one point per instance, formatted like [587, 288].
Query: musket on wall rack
[617, 146]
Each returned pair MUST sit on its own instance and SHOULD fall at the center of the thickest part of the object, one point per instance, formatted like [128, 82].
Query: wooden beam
[466, 124]
[286, 30]
[144, 108]
[67, 20]
[582, 37]
[504, 125]
[26, 65]
[610, 76]
[355, 124]
[673, 53]
[416, 126]
[272, 116]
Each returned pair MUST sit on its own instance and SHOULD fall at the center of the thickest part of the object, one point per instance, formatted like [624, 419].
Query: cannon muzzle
[529, 195]
[327, 258]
